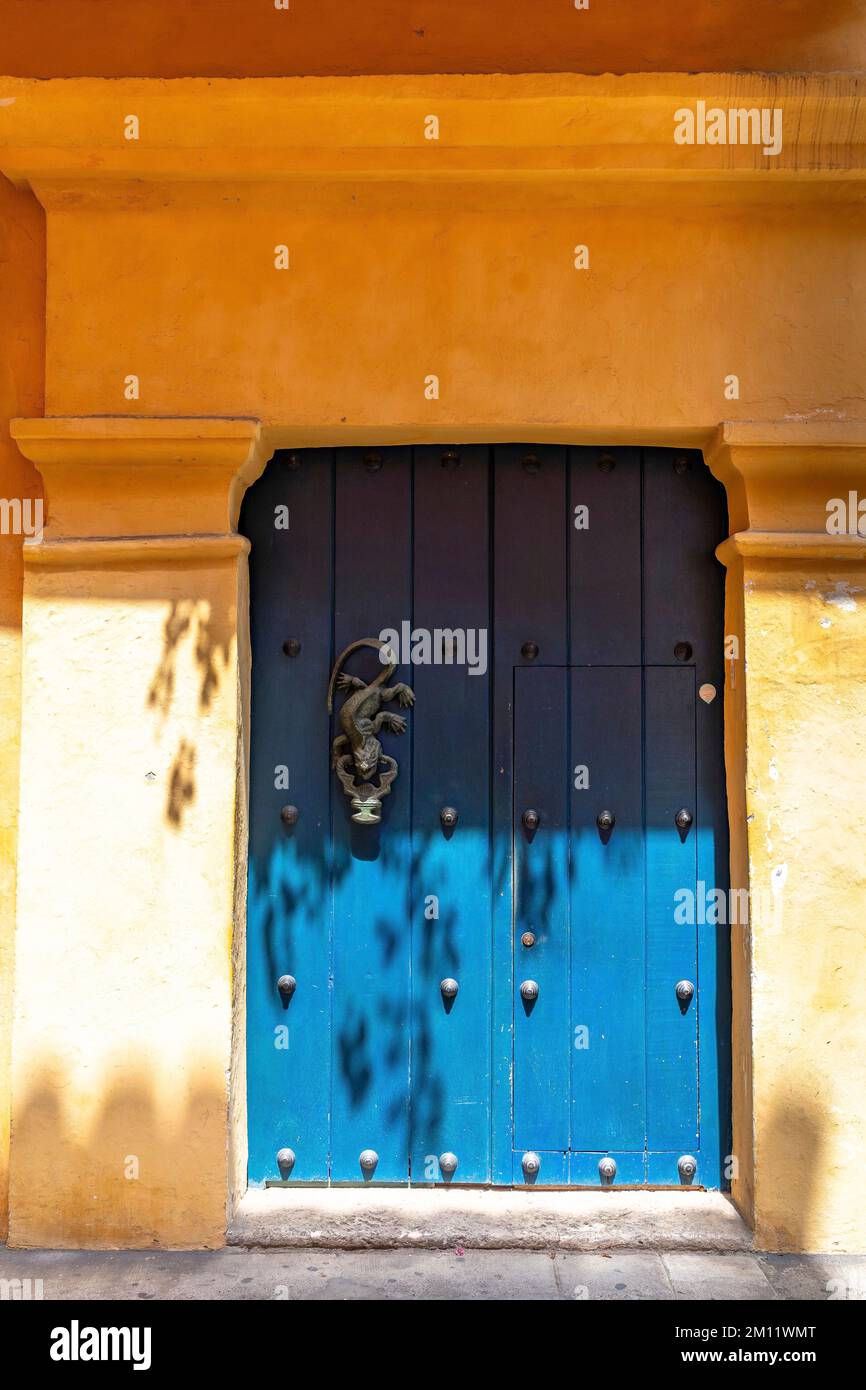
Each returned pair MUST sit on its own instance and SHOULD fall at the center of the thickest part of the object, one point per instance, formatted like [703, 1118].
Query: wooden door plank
[529, 601]
[288, 902]
[672, 1105]
[604, 556]
[451, 899]
[607, 912]
[685, 518]
[371, 910]
[541, 908]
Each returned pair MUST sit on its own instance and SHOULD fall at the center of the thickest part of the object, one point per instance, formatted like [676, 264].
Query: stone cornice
[123, 482]
[94, 440]
[780, 477]
[495, 128]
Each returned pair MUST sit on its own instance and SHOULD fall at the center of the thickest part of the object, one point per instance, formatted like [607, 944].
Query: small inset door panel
[604, 761]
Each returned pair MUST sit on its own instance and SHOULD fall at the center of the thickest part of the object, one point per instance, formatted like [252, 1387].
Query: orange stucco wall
[236, 38]
[456, 258]
[485, 297]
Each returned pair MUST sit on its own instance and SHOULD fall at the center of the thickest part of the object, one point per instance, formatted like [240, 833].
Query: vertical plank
[672, 1061]
[288, 904]
[371, 917]
[530, 529]
[685, 518]
[451, 926]
[607, 912]
[605, 556]
[541, 1029]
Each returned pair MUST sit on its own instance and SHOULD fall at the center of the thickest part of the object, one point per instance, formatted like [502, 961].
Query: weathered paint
[797, 821]
[469, 273]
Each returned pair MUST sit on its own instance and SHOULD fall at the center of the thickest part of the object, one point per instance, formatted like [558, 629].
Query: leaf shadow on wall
[189, 620]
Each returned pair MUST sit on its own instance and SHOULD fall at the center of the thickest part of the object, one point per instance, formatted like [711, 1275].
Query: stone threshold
[353, 1218]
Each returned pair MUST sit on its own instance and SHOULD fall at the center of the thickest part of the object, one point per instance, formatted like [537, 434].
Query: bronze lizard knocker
[357, 752]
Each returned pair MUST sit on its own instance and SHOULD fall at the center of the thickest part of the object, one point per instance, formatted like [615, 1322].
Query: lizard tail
[384, 675]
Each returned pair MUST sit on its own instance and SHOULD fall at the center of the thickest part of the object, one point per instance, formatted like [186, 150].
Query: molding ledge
[91, 440]
[128, 481]
[781, 474]
[792, 546]
[135, 551]
[557, 127]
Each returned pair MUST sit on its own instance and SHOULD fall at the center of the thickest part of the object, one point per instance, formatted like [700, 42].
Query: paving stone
[816, 1277]
[626, 1275]
[398, 1275]
[695, 1275]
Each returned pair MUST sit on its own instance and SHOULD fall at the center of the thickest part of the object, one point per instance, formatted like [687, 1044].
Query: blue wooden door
[481, 986]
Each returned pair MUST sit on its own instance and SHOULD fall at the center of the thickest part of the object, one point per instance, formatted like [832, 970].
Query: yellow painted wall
[123, 1020]
[160, 263]
[796, 754]
[130, 908]
[805, 633]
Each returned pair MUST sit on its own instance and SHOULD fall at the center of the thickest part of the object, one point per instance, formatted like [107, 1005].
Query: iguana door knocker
[357, 752]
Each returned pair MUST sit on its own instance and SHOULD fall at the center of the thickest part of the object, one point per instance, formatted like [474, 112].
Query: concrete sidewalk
[618, 1275]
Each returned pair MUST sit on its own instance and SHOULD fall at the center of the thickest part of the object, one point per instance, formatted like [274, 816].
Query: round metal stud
[683, 651]
[528, 939]
[531, 1165]
[607, 1170]
[683, 819]
[529, 651]
[289, 815]
[449, 989]
[449, 817]
[606, 463]
[373, 461]
[450, 459]
[287, 984]
[531, 463]
[681, 464]
[292, 646]
[530, 819]
[605, 820]
[285, 1162]
[368, 1160]
[687, 1167]
[293, 462]
[685, 992]
[529, 991]
[447, 1164]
